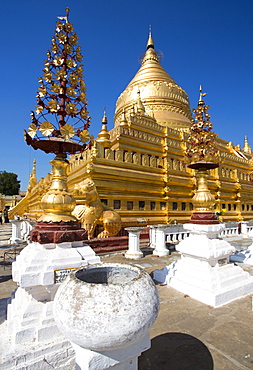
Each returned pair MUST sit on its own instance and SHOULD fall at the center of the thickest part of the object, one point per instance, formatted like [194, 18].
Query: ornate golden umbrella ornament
[202, 155]
[60, 123]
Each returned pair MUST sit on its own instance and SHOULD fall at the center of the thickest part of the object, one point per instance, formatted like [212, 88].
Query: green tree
[9, 183]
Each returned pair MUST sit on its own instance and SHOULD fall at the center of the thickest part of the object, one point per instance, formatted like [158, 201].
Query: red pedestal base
[58, 232]
[204, 218]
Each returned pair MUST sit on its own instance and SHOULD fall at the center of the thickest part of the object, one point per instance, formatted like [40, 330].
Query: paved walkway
[187, 334]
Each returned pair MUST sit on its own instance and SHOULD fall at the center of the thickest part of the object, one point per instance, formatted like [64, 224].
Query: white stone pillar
[16, 236]
[134, 251]
[160, 246]
[244, 230]
[152, 235]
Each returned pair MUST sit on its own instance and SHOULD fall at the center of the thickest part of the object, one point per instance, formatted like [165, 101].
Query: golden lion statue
[92, 212]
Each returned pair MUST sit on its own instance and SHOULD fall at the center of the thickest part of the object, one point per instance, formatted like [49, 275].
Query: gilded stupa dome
[161, 96]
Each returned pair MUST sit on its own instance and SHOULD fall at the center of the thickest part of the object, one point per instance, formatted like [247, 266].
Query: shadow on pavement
[176, 351]
[3, 309]
[5, 278]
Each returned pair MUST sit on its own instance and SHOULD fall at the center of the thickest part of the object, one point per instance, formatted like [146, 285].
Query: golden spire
[246, 148]
[123, 121]
[104, 135]
[150, 43]
[104, 119]
[159, 92]
[32, 179]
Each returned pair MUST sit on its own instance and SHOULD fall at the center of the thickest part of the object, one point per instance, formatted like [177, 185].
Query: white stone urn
[105, 308]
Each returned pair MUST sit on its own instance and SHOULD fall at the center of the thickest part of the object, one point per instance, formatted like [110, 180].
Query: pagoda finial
[104, 119]
[246, 148]
[150, 43]
[66, 17]
[201, 94]
[104, 135]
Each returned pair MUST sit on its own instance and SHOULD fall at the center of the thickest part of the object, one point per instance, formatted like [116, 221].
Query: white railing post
[21, 228]
[134, 251]
[160, 246]
[244, 230]
[152, 235]
[15, 236]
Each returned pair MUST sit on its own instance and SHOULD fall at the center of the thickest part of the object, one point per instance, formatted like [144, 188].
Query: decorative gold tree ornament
[202, 140]
[60, 125]
[203, 155]
[61, 96]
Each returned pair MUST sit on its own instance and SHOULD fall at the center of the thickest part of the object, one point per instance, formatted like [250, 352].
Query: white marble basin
[106, 306]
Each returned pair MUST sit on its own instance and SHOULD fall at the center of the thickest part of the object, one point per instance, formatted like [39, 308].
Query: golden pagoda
[138, 168]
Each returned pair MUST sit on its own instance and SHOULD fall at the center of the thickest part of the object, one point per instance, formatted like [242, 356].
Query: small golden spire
[123, 121]
[246, 148]
[104, 119]
[32, 179]
[104, 135]
[139, 105]
[150, 43]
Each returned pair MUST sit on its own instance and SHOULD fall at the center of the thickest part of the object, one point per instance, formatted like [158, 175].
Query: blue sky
[203, 42]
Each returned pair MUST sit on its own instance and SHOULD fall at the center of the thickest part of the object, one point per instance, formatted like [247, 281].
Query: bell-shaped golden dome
[160, 94]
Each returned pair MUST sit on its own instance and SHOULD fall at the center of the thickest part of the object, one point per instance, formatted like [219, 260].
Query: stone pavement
[187, 334]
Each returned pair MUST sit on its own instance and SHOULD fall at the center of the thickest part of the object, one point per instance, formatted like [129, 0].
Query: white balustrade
[162, 234]
[16, 234]
[21, 228]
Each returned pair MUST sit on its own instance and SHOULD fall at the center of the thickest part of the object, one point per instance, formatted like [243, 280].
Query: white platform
[29, 338]
[204, 272]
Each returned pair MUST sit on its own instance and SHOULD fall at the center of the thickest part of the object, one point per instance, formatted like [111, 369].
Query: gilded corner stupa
[139, 167]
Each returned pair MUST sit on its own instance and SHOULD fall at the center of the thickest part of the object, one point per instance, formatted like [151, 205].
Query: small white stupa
[204, 272]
